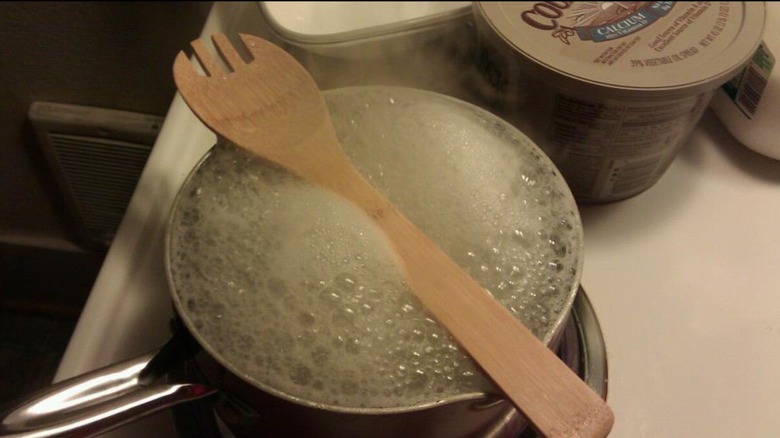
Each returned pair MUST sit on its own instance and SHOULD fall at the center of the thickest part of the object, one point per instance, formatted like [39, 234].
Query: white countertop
[683, 281]
[681, 278]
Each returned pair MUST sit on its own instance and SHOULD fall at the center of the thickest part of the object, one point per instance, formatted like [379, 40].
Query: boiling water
[300, 293]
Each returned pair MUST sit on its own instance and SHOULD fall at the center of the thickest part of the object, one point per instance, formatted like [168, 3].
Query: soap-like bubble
[299, 292]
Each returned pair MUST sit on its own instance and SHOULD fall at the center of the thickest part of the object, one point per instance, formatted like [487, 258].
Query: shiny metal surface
[96, 402]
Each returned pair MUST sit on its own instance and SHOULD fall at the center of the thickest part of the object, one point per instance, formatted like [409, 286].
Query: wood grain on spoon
[272, 107]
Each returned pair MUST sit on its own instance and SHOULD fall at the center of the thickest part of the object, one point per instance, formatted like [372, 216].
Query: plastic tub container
[361, 30]
[750, 104]
[610, 91]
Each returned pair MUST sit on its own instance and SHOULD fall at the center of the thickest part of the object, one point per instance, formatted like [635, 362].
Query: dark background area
[115, 55]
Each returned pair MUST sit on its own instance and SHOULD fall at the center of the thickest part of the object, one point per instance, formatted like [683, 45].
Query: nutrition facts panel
[611, 149]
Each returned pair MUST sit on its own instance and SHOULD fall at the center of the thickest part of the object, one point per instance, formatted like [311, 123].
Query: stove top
[682, 277]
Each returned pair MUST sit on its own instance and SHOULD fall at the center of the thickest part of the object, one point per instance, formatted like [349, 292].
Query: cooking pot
[293, 307]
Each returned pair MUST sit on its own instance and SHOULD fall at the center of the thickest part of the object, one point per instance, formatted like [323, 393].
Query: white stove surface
[683, 278]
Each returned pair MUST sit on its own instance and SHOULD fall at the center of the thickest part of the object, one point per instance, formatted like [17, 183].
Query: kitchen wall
[114, 55]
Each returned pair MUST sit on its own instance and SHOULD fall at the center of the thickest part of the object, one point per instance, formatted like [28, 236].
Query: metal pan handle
[101, 400]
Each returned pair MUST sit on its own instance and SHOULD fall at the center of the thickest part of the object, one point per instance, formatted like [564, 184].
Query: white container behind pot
[610, 91]
[426, 45]
[361, 30]
[749, 105]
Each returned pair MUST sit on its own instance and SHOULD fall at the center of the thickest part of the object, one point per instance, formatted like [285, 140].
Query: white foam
[301, 293]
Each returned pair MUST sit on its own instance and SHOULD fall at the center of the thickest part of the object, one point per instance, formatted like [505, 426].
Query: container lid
[628, 46]
[342, 22]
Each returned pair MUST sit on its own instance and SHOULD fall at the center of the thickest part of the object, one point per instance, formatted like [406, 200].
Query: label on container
[746, 89]
[620, 84]
[631, 44]
[610, 150]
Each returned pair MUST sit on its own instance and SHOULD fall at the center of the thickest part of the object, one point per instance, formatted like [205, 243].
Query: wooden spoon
[272, 107]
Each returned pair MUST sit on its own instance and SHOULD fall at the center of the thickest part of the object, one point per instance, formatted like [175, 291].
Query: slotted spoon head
[268, 104]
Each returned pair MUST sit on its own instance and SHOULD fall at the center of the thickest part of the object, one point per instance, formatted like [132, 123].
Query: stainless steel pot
[378, 126]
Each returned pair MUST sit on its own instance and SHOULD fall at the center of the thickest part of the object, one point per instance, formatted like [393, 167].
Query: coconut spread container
[610, 91]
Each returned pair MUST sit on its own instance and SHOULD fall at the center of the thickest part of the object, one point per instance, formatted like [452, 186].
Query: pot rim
[552, 335]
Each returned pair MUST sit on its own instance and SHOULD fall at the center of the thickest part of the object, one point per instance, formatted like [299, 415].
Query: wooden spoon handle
[548, 393]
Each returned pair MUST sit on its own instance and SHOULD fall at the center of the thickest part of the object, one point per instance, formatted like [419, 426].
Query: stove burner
[582, 348]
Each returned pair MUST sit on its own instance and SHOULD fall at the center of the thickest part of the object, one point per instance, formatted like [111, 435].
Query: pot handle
[98, 401]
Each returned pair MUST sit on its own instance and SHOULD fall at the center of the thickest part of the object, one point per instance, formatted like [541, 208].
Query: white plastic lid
[676, 47]
[338, 22]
